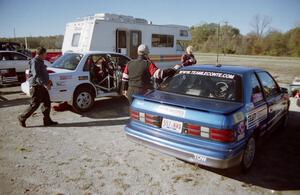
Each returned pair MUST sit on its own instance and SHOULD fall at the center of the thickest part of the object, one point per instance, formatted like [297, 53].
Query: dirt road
[90, 154]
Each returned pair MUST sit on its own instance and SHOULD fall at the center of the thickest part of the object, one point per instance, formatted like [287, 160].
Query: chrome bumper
[188, 156]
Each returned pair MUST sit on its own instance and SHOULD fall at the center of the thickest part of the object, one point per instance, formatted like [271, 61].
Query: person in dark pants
[188, 58]
[40, 84]
[137, 74]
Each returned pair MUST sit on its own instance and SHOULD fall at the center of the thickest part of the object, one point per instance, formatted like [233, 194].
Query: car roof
[235, 69]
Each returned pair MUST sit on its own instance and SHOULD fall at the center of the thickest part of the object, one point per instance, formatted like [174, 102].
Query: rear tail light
[11, 72]
[146, 118]
[222, 135]
[50, 71]
[191, 129]
[209, 133]
[27, 74]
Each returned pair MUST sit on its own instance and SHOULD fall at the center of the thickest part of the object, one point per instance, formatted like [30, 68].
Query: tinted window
[162, 40]
[205, 84]
[270, 87]
[184, 33]
[256, 93]
[16, 56]
[68, 61]
[5, 56]
[120, 60]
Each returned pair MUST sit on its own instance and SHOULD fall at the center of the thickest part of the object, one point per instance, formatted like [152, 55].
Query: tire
[83, 99]
[248, 155]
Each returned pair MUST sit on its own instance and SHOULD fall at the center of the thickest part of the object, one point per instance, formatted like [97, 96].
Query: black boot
[49, 122]
[22, 121]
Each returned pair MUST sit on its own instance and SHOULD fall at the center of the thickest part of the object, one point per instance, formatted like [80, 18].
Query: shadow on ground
[109, 112]
[277, 164]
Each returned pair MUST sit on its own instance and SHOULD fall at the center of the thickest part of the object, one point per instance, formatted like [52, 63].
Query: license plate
[171, 125]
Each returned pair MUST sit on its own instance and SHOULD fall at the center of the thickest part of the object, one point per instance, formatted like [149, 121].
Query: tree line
[262, 40]
[50, 42]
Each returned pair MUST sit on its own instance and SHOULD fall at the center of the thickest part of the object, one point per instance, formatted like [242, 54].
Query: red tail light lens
[222, 135]
[192, 129]
[11, 72]
[145, 118]
[134, 115]
[50, 71]
[152, 120]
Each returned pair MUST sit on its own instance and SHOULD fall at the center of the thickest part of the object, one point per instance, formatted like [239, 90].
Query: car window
[92, 60]
[205, 84]
[16, 56]
[67, 61]
[270, 87]
[121, 61]
[256, 93]
[5, 56]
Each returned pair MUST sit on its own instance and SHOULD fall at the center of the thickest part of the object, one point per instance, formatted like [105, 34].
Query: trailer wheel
[83, 99]
[249, 155]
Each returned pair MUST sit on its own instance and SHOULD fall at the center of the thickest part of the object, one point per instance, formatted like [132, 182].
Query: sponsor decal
[208, 73]
[200, 157]
[239, 116]
[256, 116]
[83, 78]
[171, 111]
[241, 130]
[65, 77]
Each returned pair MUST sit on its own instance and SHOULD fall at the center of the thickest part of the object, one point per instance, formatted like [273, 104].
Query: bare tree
[261, 24]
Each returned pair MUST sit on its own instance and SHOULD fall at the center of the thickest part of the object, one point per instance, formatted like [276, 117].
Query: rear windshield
[205, 84]
[68, 61]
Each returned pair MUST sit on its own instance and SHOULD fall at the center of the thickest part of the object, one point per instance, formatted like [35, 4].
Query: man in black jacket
[137, 73]
[40, 83]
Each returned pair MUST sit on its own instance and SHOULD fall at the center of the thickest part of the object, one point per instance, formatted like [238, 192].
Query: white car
[79, 78]
[12, 67]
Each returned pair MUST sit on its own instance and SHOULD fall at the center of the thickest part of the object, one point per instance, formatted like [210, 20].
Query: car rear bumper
[180, 153]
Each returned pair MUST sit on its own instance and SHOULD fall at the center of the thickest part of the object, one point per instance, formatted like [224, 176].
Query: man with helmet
[188, 58]
[137, 73]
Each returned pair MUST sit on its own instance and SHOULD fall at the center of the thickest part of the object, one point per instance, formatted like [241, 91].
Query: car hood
[203, 104]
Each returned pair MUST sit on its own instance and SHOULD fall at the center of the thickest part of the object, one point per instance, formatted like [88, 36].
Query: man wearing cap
[39, 80]
[188, 58]
[137, 73]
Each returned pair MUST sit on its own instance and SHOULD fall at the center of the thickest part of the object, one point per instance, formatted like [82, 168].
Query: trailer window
[75, 39]
[184, 33]
[162, 40]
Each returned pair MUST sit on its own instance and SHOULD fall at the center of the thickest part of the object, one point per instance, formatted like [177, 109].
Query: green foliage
[50, 42]
[275, 43]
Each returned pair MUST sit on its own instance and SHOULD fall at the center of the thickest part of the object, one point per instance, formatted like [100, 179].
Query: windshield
[205, 84]
[68, 61]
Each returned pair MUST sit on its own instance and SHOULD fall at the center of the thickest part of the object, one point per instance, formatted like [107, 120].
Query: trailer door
[135, 41]
[121, 44]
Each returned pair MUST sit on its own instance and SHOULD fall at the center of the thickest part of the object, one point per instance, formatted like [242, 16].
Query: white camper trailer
[123, 34]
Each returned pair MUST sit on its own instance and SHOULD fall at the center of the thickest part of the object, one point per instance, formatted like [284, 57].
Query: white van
[75, 79]
[123, 34]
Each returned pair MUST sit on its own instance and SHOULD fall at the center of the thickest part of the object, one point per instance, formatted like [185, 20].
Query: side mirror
[284, 90]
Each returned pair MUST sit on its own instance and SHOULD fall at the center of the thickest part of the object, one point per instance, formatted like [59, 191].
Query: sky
[49, 17]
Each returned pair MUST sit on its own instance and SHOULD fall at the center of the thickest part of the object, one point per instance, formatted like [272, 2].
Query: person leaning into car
[137, 73]
[39, 80]
[188, 58]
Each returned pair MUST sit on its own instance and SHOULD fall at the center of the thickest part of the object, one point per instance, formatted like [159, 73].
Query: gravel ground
[90, 154]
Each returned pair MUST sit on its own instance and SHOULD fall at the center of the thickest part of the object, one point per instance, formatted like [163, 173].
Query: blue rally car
[210, 115]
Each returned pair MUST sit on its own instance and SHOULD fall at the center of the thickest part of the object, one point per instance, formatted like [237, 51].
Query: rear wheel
[83, 99]
[249, 155]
